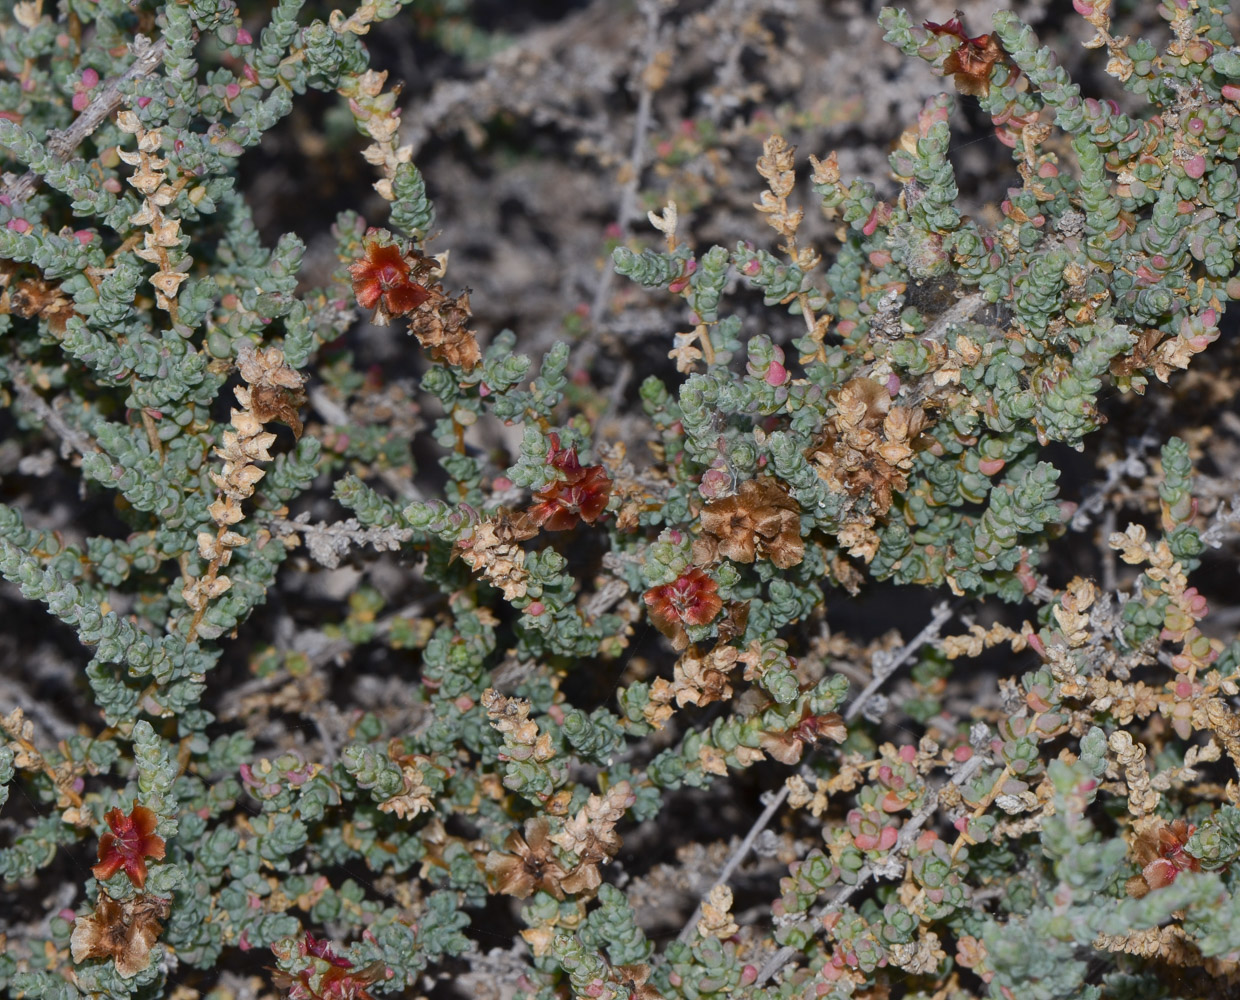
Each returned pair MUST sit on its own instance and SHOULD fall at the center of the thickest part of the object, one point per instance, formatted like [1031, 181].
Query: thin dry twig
[652, 11]
[73, 438]
[904, 840]
[884, 666]
[148, 56]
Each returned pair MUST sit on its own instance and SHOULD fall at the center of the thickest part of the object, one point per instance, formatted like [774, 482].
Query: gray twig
[904, 840]
[79, 441]
[652, 10]
[148, 56]
[883, 668]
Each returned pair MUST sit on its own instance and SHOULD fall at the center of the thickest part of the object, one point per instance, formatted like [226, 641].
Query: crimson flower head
[1162, 857]
[322, 948]
[331, 977]
[578, 492]
[382, 281]
[691, 599]
[133, 839]
[787, 747]
[970, 65]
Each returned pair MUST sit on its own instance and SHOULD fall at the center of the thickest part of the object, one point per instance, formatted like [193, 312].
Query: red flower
[133, 839]
[382, 282]
[787, 747]
[321, 948]
[971, 63]
[582, 492]
[1162, 857]
[329, 978]
[690, 599]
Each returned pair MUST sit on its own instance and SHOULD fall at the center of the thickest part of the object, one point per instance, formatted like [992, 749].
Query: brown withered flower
[121, 931]
[970, 64]
[528, 865]
[590, 834]
[492, 550]
[787, 747]
[633, 978]
[691, 599]
[1162, 857]
[31, 297]
[868, 445]
[442, 327]
[276, 391]
[760, 521]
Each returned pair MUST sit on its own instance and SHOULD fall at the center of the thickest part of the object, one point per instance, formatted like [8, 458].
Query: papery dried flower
[579, 492]
[633, 978]
[133, 839]
[970, 64]
[31, 297]
[1161, 854]
[492, 549]
[418, 796]
[442, 328]
[690, 599]
[761, 520]
[275, 386]
[868, 445]
[529, 864]
[592, 837]
[121, 931]
[716, 920]
[382, 281]
[787, 747]
[701, 680]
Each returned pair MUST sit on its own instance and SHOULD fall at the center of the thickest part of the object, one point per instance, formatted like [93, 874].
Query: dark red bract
[321, 948]
[382, 282]
[133, 839]
[581, 493]
[691, 599]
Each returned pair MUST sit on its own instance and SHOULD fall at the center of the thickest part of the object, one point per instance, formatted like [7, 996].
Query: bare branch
[652, 10]
[148, 56]
[70, 436]
[908, 834]
[883, 667]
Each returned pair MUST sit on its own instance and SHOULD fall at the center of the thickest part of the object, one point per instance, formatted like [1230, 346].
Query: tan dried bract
[492, 550]
[275, 386]
[121, 931]
[868, 446]
[760, 521]
[528, 864]
[441, 325]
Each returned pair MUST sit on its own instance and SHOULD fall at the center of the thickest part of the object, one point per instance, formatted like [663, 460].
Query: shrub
[1064, 835]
